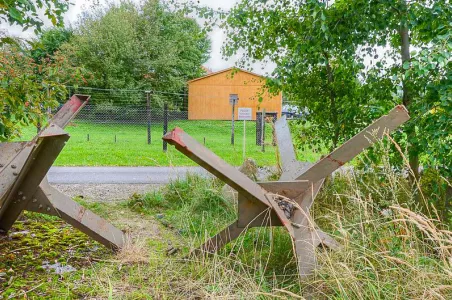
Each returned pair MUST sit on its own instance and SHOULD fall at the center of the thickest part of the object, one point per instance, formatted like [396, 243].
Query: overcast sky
[217, 36]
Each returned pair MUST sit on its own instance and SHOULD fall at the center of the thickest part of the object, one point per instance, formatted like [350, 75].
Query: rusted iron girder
[300, 183]
[23, 183]
[361, 141]
[230, 175]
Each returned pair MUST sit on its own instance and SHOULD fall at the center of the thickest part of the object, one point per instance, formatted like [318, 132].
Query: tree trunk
[334, 118]
[413, 153]
[447, 204]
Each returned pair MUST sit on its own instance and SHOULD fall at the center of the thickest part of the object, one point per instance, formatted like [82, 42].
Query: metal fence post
[233, 100]
[232, 128]
[263, 130]
[260, 127]
[165, 125]
[148, 115]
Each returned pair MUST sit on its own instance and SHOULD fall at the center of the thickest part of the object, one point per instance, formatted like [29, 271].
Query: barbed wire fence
[116, 118]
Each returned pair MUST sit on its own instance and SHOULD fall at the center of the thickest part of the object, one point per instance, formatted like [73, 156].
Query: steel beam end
[77, 102]
[69, 110]
[52, 130]
[83, 98]
[174, 137]
[401, 109]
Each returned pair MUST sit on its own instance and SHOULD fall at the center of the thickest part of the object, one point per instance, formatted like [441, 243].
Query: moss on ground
[36, 240]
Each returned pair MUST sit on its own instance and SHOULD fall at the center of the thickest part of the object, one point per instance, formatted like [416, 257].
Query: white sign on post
[245, 114]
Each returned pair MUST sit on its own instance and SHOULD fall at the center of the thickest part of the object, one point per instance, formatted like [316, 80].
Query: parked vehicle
[294, 112]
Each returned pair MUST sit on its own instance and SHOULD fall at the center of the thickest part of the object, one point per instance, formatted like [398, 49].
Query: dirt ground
[105, 192]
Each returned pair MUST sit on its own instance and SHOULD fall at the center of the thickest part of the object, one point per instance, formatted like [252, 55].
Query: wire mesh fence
[125, 127]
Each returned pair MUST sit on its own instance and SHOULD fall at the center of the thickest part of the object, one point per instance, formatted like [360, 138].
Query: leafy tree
[49, 42]
[314, 41]
[26, 13]
[413, 31]
[28, 89]
[316, 63]
[145, 47]
[319, 48]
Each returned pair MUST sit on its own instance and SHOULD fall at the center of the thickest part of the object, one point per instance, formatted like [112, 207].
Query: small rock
[58, 268]
[171, 250]
[166, 224]
[160, 216]
[229, 194]
[249, 168]
[386, 212]
[14, 234]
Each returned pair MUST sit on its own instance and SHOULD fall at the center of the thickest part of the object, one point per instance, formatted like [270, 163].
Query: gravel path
[105, 192]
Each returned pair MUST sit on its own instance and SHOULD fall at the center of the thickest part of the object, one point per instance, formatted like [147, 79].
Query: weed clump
[192, 205]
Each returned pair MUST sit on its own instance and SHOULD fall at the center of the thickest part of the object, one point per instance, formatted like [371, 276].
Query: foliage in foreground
[28, 89]
[29, 14]
[37, 241]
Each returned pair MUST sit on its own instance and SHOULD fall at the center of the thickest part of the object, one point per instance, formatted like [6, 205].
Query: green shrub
[439, 192]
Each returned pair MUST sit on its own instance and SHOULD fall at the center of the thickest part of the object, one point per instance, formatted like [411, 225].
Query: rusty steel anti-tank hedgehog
[289, 199]
[24, 186]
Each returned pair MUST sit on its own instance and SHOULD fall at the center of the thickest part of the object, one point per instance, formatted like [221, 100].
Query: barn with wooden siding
[208, 96]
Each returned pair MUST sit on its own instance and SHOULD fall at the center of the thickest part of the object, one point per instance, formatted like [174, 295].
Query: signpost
[233, 100]
[245, 114]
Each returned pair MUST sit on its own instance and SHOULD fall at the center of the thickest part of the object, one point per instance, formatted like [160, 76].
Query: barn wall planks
[208, 97]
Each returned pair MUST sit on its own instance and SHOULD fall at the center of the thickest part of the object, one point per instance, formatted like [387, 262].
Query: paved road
[118, 175]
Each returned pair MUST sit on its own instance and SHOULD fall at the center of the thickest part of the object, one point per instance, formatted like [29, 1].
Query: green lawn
[131, 148]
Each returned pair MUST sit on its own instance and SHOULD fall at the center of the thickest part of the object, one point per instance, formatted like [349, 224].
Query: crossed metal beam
[285, 202]
[24, 186]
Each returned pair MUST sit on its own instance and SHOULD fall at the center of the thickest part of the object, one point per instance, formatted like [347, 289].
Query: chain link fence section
[119, 123]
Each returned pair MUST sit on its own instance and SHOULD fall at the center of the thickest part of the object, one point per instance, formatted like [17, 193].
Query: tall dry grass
[391, 247]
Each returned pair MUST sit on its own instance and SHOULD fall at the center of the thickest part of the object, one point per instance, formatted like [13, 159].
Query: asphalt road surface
[119, 175]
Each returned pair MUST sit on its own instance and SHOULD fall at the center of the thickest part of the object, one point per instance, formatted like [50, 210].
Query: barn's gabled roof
[223, 71]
